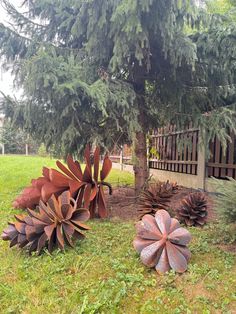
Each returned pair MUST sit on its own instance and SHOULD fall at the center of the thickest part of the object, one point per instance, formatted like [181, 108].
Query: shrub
[42, 152]
[225, 198]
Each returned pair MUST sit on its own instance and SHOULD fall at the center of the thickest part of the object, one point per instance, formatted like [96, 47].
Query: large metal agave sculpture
[193, 211]
[86, 187]
[155, 197]
[53, 225]
[162, 243]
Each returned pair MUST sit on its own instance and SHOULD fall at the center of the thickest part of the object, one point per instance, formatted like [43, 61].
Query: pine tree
[102, 70]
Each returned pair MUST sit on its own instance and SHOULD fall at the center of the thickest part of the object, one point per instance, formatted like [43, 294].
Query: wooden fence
[185, 159]
[178, 152]
[222, 164]
[166, 153]
[122, 155]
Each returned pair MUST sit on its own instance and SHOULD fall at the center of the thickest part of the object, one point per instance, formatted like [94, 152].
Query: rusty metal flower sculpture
[94, 196]
[83, 186]
[87, 187]
[53, 225]
[194, 209]
[157, 196]
[162, 243]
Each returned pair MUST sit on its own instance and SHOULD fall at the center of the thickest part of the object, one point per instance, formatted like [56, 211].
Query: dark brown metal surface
[86, 187]
[155, 197]
[162, 243]
[193, 211]
[51, 225]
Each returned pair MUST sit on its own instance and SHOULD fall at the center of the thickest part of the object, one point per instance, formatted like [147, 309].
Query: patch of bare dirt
[231, 248]
[122, 203]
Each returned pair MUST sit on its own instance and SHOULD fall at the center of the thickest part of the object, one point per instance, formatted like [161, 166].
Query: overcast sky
[6, 80]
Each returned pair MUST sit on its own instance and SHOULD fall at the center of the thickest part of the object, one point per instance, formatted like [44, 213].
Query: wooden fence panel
[169, 157]
[166, 155]
[222, 164]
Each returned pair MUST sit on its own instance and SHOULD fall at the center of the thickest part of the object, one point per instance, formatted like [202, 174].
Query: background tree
[15, 140]
[104, 70]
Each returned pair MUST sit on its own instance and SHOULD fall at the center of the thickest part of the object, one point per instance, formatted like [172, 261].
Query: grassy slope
[103, 274]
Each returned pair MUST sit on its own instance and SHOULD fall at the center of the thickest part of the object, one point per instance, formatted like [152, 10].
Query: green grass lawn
[103, 274]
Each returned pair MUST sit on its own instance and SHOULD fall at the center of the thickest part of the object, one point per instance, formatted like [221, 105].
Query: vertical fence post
[3, 149]
[121, 157]
[201, 166]
[26, 149]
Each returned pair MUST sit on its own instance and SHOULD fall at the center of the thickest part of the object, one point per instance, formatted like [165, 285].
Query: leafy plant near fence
[225, 199]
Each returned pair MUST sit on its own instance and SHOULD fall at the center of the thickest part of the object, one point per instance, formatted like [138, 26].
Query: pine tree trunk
[140, 167]
[140, 144]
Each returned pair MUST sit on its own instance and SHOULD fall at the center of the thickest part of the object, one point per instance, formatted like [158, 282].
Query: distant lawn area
[104, 273]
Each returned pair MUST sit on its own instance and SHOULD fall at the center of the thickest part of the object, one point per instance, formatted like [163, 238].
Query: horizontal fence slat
[174, 133]
[183, 162]
[219, 165]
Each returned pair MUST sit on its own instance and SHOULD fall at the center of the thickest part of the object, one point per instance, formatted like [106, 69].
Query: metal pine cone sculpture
[53, 225]
[162, 243]
[194, 209]
[84, 187]
[155, 197]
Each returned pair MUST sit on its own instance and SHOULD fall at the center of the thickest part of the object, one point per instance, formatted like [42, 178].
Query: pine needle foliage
[91, 69]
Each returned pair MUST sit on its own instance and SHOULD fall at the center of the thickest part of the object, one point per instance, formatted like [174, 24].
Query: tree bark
[140, 167]
[140, 144]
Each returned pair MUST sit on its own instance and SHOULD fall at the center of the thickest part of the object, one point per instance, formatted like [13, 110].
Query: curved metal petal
[20, 227]
[58, 179]
[151, 254]
[49, 189]
[87, 176]
[163, 264]
[81, 214]
[49, 230]
[41, 242]
[92, 207]
[74, 168]
[60, 240]
[102, 210]
[106, 167]
[185, 251]
[75, 186]
[87, 193]
[94, 192]
[45, 172]
[176, 259]
[174, 225]
[147, 228]
[163, 221]
[180, 236]
[139, 243]
[142, 232]
[96, 163]
[65, 170]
